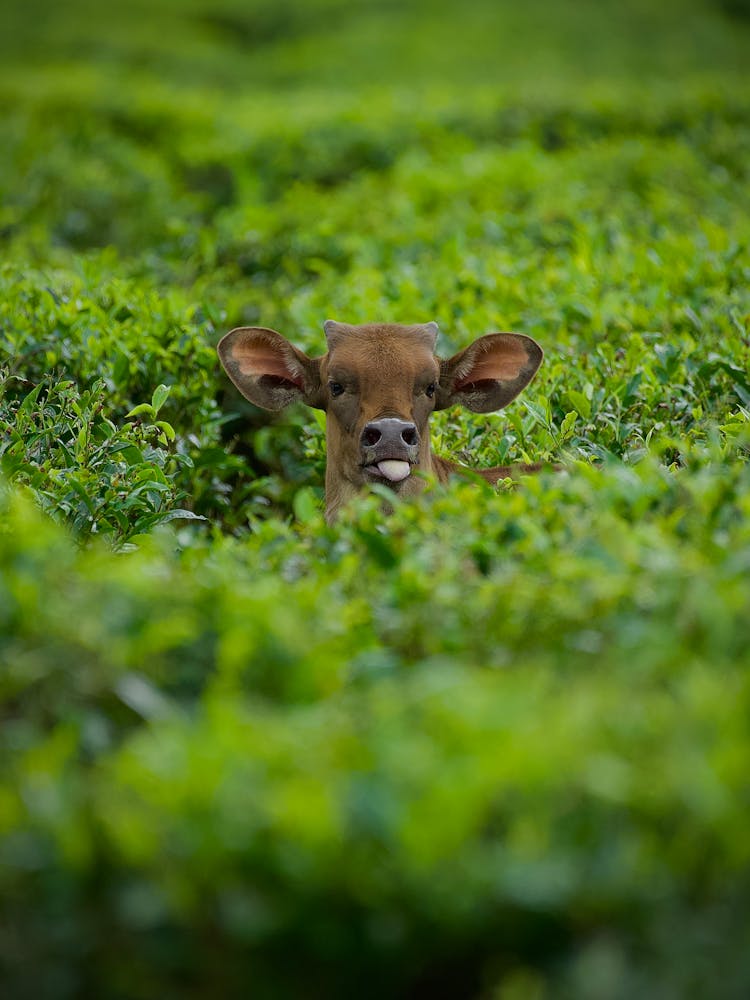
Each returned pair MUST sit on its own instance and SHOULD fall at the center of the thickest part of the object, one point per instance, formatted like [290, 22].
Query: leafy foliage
[493, 745]
[482, 753]
[81, 467]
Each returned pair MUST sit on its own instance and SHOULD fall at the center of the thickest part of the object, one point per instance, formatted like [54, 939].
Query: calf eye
[336, 388]
[430, 390]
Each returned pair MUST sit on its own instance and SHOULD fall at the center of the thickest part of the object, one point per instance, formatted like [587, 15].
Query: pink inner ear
[503, 362]
[262, 360]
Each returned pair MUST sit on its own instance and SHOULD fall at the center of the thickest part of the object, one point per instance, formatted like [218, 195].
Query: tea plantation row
[494, 745]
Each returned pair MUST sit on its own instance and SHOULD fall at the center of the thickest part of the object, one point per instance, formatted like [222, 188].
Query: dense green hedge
[412, 755]
[494, 745]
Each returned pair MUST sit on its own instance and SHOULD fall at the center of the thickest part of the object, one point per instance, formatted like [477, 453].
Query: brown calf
[378, 385]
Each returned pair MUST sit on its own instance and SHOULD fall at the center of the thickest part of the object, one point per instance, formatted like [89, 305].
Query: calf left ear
[489, 373]
[268, 370]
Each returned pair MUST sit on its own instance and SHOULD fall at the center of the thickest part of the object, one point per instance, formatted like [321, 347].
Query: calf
[378, 385]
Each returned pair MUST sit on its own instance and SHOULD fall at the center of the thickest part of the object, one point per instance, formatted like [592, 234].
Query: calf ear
[489, 373]
[268, 370]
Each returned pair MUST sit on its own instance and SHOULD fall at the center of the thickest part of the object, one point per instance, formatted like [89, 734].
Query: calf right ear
[268, 370]
[489, 373]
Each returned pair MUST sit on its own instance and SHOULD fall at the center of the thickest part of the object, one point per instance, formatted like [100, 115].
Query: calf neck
[378, 385]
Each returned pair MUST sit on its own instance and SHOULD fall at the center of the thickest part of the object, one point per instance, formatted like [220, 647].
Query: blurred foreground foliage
[494, 745]
[515, 749]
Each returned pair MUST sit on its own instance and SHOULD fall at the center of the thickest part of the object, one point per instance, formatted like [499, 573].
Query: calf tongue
[393, 470]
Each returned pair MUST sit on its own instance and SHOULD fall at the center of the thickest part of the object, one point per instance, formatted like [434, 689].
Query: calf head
[378, 385]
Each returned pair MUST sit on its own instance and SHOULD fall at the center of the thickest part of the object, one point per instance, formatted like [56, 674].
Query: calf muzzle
[389, 449]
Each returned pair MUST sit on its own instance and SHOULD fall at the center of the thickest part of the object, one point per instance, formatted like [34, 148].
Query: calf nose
[389, 432]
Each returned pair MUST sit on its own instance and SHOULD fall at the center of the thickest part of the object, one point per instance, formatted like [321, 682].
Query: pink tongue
[395, 471]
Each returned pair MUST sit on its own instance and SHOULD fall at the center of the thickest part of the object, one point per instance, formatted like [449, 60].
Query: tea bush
[81, 467]
[494, 744]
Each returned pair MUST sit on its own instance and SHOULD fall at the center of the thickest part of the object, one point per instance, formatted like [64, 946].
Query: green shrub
[411, 755]
[494, 745]
[80, 467]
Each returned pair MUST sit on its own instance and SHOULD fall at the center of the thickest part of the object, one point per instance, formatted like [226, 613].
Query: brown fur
[443, 470]
[384, 370]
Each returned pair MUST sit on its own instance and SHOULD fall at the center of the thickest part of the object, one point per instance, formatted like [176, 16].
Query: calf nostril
[371, 436]
[409, 435]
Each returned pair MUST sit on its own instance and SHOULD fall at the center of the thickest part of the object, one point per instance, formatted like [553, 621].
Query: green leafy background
[494, 745]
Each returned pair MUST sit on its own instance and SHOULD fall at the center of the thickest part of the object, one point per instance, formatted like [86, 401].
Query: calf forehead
[383, 354]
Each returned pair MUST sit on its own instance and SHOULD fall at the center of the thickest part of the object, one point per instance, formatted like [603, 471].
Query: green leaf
[166, 429]
[631, 389]
[306, 504]
[537, 411]
[139, 410]
[580, 402]
[181, 514]
[131, 454]
[82, 441]
[30, 400]
[569, 422]
[80, 491]
[159, 397]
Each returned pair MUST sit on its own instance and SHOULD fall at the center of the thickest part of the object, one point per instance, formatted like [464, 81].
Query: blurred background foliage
[495, 745]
